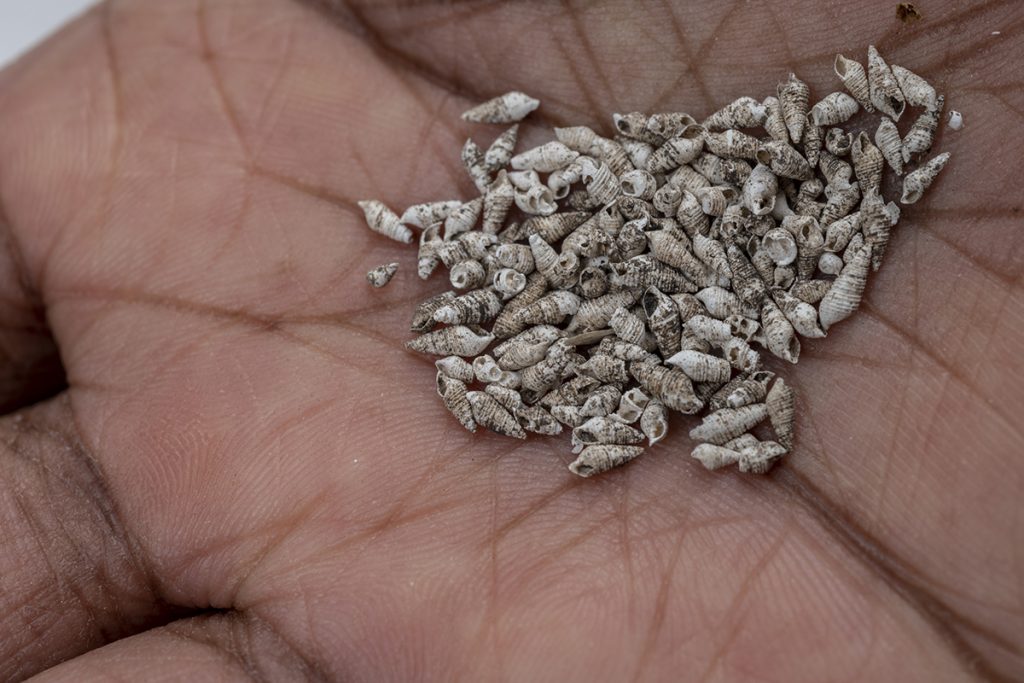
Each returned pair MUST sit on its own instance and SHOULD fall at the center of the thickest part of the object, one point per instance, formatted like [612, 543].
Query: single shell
[780, 403]
[919, 180]
[830, 263]
[548, 157]
[593, 282]
[509, 398]
[760, 458]
[560, 182]
[780, 245]
[381, 275]
[811, 291]
[855, 80]
[843, 297]
[551, 309]
[743, 390]
[654, 421]
[641, 272]
[813, 140]
[719, 171]
[455, 368]
[801, 315]
[537, 200]
[744, 112]
[427, 258]
[383, 221]
[605, 369]
[508, 282]
[701, 367]
[518, 257]
[742, 442]
[539, 421]
[682, 148]
[508, 108]
[887, 139]
[560, 270]
[627, 326]
[876, 226]
[856, 242]
[638, 184]
[602, 401]
[672, 249]
[784, 160]
[473, 162]
[713, 200]
[581, 139]
[956, 120]
[662, 319]
[708, 329]
[526, 348]
[672, 387]
[498, 202]
[606, 430]
[774, 124]
[423, 316]
[423, 215]
[882, 86]
[793, 98]
[594, 314]
[690, 215]
[779, 334]
[454, 395]
[839, 142]
[633, 126]
[917, 91]
[467, 274]
[747, 284]
[714, 457]
[499, 153]
[555, 227]
[712, 253]
[743, 327]
[489, 413]
[508, 323]
[759, 191]
[739, 354]
[542, 376]
[597, 459]
[601, 183]
[732, 143]
[719, 302]
[638, 151]
[919, 137]
[485, 369]
[728, 423]
[571, 416]
[631, 406]
[835, 108]
[457, 340]
[667, 124]
[810, 242]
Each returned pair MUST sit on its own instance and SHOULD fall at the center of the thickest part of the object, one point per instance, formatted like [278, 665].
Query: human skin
[247, 476]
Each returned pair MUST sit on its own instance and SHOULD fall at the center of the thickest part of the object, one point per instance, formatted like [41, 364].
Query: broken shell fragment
[921, 179]
[597, 459]
[381, 275]
[383, 221]
[508, 108]
[728, 423]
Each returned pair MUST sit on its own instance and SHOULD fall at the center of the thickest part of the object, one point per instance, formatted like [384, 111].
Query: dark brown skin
[248, 477]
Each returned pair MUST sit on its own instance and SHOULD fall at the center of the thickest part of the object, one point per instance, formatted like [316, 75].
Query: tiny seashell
[919, 137]
[427, 258]
[813, 141]
[728, 423]
[780, 245]
[732, 143]
[783, 276]
[712, 253]
[633, 125]
[719, 302]
[423, 316]
[613, 346]
[627, 326]
[743, 327]
[876, 226]
[539, 421]
[507, 323]
[742, 442]
[381, 275]
[719, 171]
[887, 139]
[774, 123]
[763, 263]
[688, 305]
[523, 180]
[830, 263]
[638, 183]
[497, 203]
[545, 374]
[606, 430]
[855, 80]
[556, 227]
[841, 200]
[588, 241]
[810, 242]
[518, 257]
[560, 270]
[839, 142]
[810, 291]
[605, 369]
[739, 354]
[455, 368]
[594, 314]
[701, 367]
[667, 124]
[746, 282]
[560, 182]
[800, 314]
[673, 249]
[672, 387]
[681, 148]
[571, 393]
[883, 88]
[508, 379]
[457, 340]
[489, 413]
[760, 458]
[917, 91]
[581, 139]
[631, 406]
[956, 120]
[454, 395]
[593, 282]
[835, 108]
[708, 329]
[597, 459]
[793, 98]
[499, 153]
[601, 183]
[509, 398]
[759, 191]
[467, 274]
[690, 215]
[423, 215]
[921, 179]
[781, 411]
[843, 297]
[662, 319]
[509, 282]
[602, 401]
[478, 245]
[537, 200]
[551, 309]
[485, 369]
[856, 242]
[784, 160]
[383, 221]
[743, 112]
[744, 390]
[508, 108]
[713, 200]
[779, 334]
[714, 457]
[646, 271]
[571, 416]
[548, 157]
[654, 421]
[867, 163]
[687, 178]
[526, 348]
[473, 162]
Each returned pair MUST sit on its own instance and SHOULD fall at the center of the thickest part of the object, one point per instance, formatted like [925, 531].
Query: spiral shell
[743, 112]
[774, 123]
[887, 139]
[784, 160]
[917, 91]
[381, 275]
[428, 213]
[654, 421]
[671, 387]
[597, 459]
[548, 157]
[499, 153]
[498, 200]
[921, 179]
[714, 457]
[884, 90]
[793, 98]
[383, 221]
[835, 108]
[919, 137]
[781, 410]
[843, 297]
[508, 108]
[728, 423]
[855, 80]
[681, 148]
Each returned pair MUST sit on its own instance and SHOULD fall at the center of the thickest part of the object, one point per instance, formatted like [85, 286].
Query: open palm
[246, 476]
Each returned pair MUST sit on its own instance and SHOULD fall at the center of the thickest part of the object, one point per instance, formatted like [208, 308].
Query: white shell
[508, 108]
[545, 158]
[383, 221]
[919, 180]
[381, 275]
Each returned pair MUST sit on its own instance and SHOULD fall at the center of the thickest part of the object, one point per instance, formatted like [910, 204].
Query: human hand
[247, 476]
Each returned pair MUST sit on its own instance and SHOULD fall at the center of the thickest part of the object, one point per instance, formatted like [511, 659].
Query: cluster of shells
[599, 283]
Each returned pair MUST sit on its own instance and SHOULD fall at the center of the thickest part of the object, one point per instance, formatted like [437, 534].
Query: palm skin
[248, 477]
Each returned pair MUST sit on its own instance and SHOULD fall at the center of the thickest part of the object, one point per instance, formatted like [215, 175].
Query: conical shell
[713, 200]
[581, 139]
[570, 416]
[641, 272]
[743, 390]
[539, 378]
[785, 160]
[759, 191]
[781, 410]
[485, 369]
[744, 112]
[654, 421]
[919, 137]
[593, 282]
[638, 151]
[701, 367]
[921, 179]
[719, 302]
[917, 91]
[606, 430]
[728, 423]
[539, 421]
[887, 139]
[672, 249]
[667, 124]
[829, 263]
[427, 258]
[518, 257]
[627, 326]
[509, 399]
[732, 143]
[457, 340]
[801, 315]
[745, 281]
[793, 98]
[422, 215]
[601, 183]
[855, 80]
[489, 413]
[473, 162]
[882, 86]
[708, 329]
[455, 368]
[671, 387]
[682, 148]
[739, 354]
[719, 171]
[690, 215]
[835, 108]
[779, 333]
[554, 228]
[423, 316]
[467, 274]
[594, 314]
[842, 200]
[605, 369]
[551, 309]
[383, 221]
[843, 297]
[760, 458]
[453, 393]
[508, 108]
[538, 200]
[602, 401]
[876, 226]
[508, 323]
[633, 126]
[662, 319]
[548, 157]
[813, 139]
[638, 183]
[774, 123]
[712, 253]
[631, 406]
[811, 291]
[381, 275]
[526, 348]
[498, 202]
[499, 153]
[837, 172]
[597, 459]
[867, 163]
[714, 457]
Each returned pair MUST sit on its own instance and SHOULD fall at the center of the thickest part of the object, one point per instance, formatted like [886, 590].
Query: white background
[23, 23]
